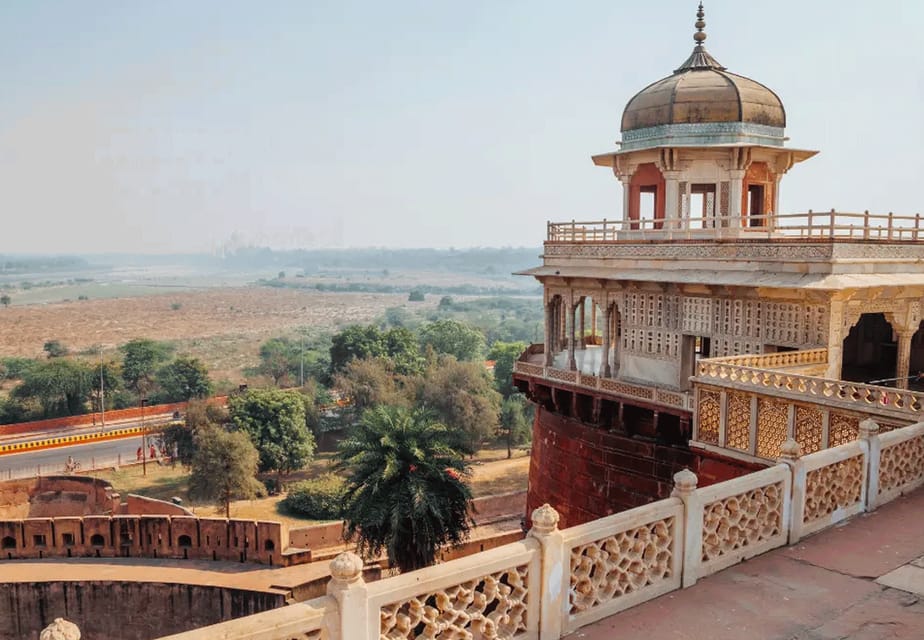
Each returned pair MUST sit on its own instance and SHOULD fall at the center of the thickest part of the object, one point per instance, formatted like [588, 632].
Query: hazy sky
[171, 125]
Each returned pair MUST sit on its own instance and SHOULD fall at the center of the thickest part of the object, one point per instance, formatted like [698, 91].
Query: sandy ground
[223, 326]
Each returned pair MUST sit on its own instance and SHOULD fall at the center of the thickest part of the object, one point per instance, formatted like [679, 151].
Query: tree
[223, 467]
[368, 382]
[416, 295]
[61, 386]
[278, 359]
[5, 300]
[445, 303]
[462, 397]
[141, 359]
[453, 338]
[183, 379]
[180, 438]
[515, 422]
[406, 490]
[357, 342]
[504, 354]
[55, 349]
[275, 421]
[112, 383]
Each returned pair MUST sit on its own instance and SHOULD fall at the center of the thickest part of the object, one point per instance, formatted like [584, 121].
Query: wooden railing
[811, 224]
[557, 581]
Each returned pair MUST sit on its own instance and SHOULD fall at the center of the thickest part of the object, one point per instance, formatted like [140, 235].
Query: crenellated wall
[588, 473]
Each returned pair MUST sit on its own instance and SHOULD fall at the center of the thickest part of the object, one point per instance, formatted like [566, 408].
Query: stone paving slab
[823, 588]
[908, 578]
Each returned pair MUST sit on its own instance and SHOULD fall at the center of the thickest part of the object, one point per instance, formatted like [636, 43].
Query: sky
[176, 126]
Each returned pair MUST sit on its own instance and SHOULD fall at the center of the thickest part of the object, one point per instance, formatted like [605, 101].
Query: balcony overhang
[795, 155]
[756, 279]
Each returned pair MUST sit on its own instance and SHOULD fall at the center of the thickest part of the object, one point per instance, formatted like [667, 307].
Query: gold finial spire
[700, 35]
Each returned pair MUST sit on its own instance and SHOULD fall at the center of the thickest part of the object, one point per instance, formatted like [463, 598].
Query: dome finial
[700, 36]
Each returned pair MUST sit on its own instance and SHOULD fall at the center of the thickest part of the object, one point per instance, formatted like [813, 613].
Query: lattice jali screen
[621, 564]
[738, 421]
[709, 414]
[772, 419]
[742, 520]
[842, 429]
[808, 429]
[492, 607]
[901, 464]
[697, 316]
[832, 487]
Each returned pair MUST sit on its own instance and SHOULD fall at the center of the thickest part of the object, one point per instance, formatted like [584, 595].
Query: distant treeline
[27, 264]
[378, 287]
[500, 261]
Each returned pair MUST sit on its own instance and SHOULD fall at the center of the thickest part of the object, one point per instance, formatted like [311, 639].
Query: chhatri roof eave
[772, 280]
[798, 155]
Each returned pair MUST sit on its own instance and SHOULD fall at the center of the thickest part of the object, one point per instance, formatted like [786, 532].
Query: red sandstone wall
[55, 496]
[113, 610]
[143, 506]
[587, 473]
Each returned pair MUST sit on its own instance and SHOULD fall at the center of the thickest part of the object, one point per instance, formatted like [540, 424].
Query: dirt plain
[222, 326]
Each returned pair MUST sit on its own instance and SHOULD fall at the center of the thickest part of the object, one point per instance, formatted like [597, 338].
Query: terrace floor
[863, 580]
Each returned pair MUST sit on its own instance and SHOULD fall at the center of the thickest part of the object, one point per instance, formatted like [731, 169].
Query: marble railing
[615, 387]
[780, 360]
[832, 224]
[557, 581]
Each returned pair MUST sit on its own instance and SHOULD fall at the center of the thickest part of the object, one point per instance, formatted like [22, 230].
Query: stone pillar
[60, 629]
[572, 334]
[791, 456]
[554, 588]
[593, 320]
[672, 208]
[583, 336]
[776, 202]
[735, 196]
[835, 339]
[605, 371]
[869, 433]
[549, 337]
[685, 488]
[352, 618]
[626, 198]
[904, 358]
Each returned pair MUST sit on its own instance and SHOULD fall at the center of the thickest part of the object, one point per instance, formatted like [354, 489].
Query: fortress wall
[124, 610]
[150, 536]
[588, 473]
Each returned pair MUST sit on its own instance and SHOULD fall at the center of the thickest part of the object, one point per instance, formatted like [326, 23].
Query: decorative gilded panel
[772, 419]
[808, 429]
[901, 463]
[741, 521]
[832, 487]
[738, 422]
[492, 607]
[620, 564]
[842, 429]
[709, 416]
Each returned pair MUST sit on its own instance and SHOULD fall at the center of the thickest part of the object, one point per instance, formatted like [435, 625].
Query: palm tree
[406, 490]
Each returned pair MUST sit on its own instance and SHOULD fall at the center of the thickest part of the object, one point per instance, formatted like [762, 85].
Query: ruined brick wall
[124, 610]
[54, 496]
[588, 473]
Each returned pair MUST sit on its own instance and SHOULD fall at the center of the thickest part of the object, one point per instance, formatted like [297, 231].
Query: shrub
[416, 295]
[320, 498]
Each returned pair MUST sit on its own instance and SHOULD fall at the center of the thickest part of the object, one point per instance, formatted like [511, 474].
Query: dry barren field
[223, 326]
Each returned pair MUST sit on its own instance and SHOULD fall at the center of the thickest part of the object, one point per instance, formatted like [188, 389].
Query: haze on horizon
[176, 126]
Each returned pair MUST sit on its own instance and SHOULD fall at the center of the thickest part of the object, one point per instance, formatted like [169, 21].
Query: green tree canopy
[515, 422]
[224, 467]
[398, 344]
[368, 382]
[54, 349]
[406, 490]
[462, 396]
[5, 300]
[141, 359]
[504, 354]
[61, 386]
[275, 421]
[454, 338]
[183, 379]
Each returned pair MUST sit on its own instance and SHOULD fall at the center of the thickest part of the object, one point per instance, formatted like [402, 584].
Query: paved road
[52, 460]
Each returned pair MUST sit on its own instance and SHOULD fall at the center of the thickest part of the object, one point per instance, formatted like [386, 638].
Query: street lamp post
[144, 453]
[102, 394]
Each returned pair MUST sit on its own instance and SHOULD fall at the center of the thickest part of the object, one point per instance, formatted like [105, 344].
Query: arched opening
[870, 351]
[916, 360]
[269, 545]
[97, 540]
[8, 542]
[184, 542]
